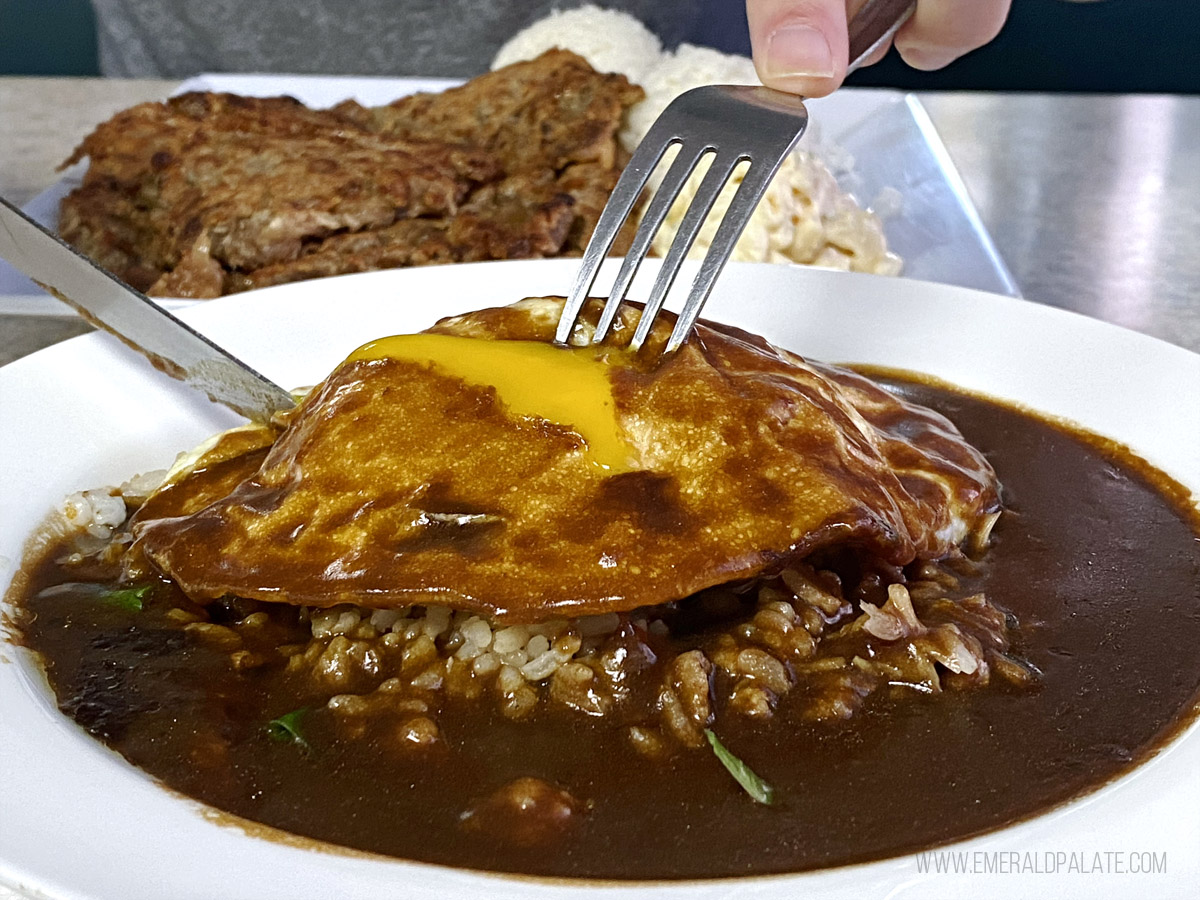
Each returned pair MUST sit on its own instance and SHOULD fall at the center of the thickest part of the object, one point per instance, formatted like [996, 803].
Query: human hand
[800, 46]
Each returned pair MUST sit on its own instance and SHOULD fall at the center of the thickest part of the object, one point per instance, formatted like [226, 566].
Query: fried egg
[478, 466]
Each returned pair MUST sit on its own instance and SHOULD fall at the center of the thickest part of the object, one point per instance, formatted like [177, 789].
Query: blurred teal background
[47, 37]
[1117, 46]
[1047, 45]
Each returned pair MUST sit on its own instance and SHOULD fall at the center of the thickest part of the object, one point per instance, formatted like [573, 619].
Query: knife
[107, 302]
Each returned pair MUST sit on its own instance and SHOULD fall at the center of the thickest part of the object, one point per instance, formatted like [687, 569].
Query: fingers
[800, 46]
[940, 31]
[877, 54]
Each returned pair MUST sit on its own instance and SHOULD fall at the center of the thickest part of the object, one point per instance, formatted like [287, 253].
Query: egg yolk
[568, 386]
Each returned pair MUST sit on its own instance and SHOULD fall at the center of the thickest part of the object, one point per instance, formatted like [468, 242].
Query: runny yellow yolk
[567, 386]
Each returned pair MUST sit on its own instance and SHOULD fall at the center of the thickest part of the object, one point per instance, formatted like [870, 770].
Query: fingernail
[798, 51]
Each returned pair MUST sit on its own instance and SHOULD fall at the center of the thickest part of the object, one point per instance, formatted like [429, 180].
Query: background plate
[874, 139]
[76, 821]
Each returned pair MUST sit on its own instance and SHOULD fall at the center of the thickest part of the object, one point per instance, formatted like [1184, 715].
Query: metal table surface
[1092, 200]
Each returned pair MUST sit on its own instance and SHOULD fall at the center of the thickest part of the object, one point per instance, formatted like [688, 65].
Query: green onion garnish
[287, 727]
[127, 598]
[759, 790]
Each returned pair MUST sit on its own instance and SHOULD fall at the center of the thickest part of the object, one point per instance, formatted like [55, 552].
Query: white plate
[883, 139]
[77, 821]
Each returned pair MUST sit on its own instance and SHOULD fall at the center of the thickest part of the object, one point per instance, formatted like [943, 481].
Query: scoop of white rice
[611, 41]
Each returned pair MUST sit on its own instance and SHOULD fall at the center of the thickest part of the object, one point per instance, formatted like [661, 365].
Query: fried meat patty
[206, 193]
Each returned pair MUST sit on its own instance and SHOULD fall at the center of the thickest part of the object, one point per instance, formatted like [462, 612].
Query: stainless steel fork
[731, 124]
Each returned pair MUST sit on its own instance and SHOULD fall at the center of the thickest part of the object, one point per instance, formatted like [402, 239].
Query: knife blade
[109, 303]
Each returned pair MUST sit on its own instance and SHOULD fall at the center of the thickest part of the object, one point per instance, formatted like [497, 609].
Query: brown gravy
[1097, 558]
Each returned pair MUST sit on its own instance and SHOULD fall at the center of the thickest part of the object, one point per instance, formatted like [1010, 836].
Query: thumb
[800, 46]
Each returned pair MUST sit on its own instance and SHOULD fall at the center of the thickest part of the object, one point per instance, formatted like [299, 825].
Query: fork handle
[875, 23]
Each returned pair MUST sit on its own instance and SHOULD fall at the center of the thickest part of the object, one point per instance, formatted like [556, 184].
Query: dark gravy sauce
[1097, 557]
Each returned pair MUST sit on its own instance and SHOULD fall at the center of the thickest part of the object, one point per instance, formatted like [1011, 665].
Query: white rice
[95, 515]
[611, 41]
[531, 653]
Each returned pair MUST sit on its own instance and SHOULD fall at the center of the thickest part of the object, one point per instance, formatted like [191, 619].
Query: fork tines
[731, 124]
